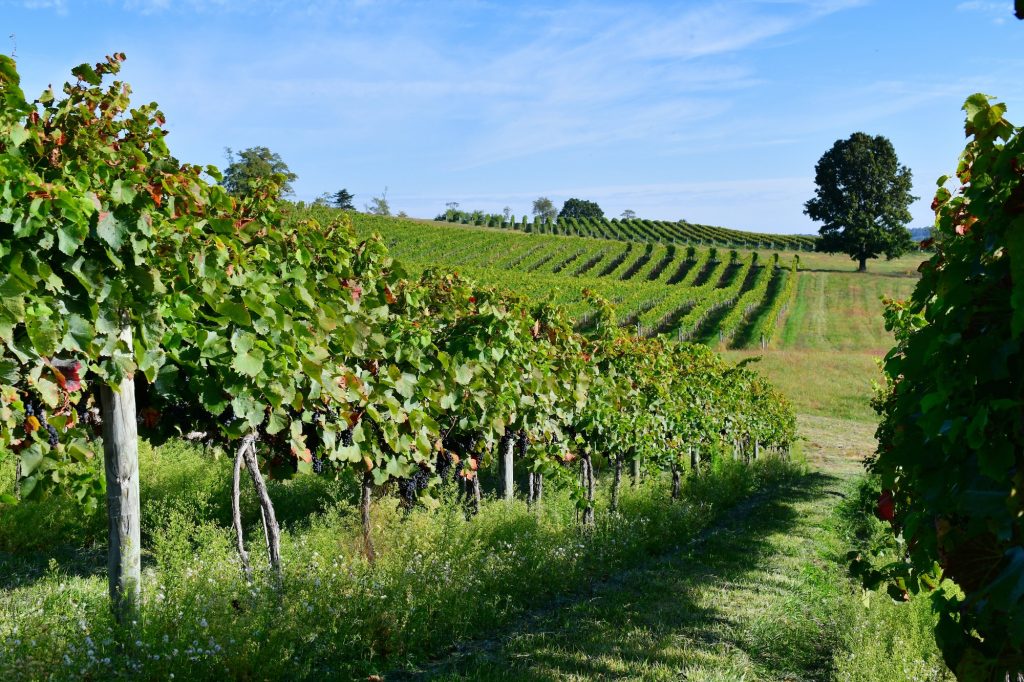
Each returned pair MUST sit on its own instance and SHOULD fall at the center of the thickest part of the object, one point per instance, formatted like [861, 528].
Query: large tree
[343, 199]
[544, 209]
[863, 199]
[254, 164]
[580, 208]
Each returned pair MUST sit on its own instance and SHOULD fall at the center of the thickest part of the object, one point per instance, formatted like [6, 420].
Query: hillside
[640, 230]
[714, 295]
[823, 333]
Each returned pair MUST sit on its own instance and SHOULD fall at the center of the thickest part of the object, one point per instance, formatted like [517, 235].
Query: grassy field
[762, 595]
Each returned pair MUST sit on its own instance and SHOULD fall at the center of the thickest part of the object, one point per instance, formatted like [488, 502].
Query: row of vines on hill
[680, 292]
[136, 293]
[639, 230]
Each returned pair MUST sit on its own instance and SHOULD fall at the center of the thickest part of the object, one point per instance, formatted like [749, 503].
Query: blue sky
[714, 112]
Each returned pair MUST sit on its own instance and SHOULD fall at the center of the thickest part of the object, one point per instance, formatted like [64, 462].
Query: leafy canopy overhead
[253, 165]
[863, 198]
[580, 208]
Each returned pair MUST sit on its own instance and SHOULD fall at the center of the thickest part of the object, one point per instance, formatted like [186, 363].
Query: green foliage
[379, 205]
[863, 199]
[543, 209]
[950, 444]
[580, 208]
[252, 168]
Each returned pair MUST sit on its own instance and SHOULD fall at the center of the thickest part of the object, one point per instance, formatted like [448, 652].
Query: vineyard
[639, 230]
[712, 295]
[248, 438]
[140, 300]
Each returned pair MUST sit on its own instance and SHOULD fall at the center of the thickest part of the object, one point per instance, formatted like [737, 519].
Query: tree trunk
[588, 478]
[507, 449]
[475, 491]
[364, 508]
[271, 531]
[863, 264]
[616, 483]
[236, 507]
[121, 466]
[676, 482]
[636, 471]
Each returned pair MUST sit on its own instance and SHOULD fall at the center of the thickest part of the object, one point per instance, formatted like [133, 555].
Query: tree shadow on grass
[654, 622]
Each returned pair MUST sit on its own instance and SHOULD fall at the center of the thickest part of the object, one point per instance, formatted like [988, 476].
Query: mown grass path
[761, 595]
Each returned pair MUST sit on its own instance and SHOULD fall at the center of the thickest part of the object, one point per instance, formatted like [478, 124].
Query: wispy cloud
[998, 11]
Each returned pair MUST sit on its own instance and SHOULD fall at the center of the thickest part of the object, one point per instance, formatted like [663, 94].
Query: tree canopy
[253, 166]
[580, 208]
[343, 199]
[379, 205]
[543, 208]
[863, 198]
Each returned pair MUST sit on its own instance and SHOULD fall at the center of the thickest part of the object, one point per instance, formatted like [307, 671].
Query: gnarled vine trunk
[616, 483]
[236, 506]
[676, 481]
[588, 482]
[271, 530]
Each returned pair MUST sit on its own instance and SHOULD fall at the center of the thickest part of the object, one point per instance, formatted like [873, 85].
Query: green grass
[824, 383]
[842, 311]
[764, 595]
[440, 578]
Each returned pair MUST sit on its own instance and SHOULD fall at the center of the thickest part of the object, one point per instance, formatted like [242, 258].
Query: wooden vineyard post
[506, 480]
[636, 471]
[694, 459]
[616, 483]
[121, 466]
[364, 508]
[757, 450]
[676, 482]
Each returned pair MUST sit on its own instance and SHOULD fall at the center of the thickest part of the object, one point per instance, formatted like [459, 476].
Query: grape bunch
[408, 487]
[443, 465]
[407, 491]
[524, 442]
[319, 464]
[421, 479]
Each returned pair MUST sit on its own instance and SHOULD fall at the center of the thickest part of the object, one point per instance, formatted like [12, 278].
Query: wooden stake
[121, 466]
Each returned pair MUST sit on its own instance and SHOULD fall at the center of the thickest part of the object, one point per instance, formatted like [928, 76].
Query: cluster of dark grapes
[408, 487]
[524, 442]
[319, 464]
[30, 411]
[443, 465]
